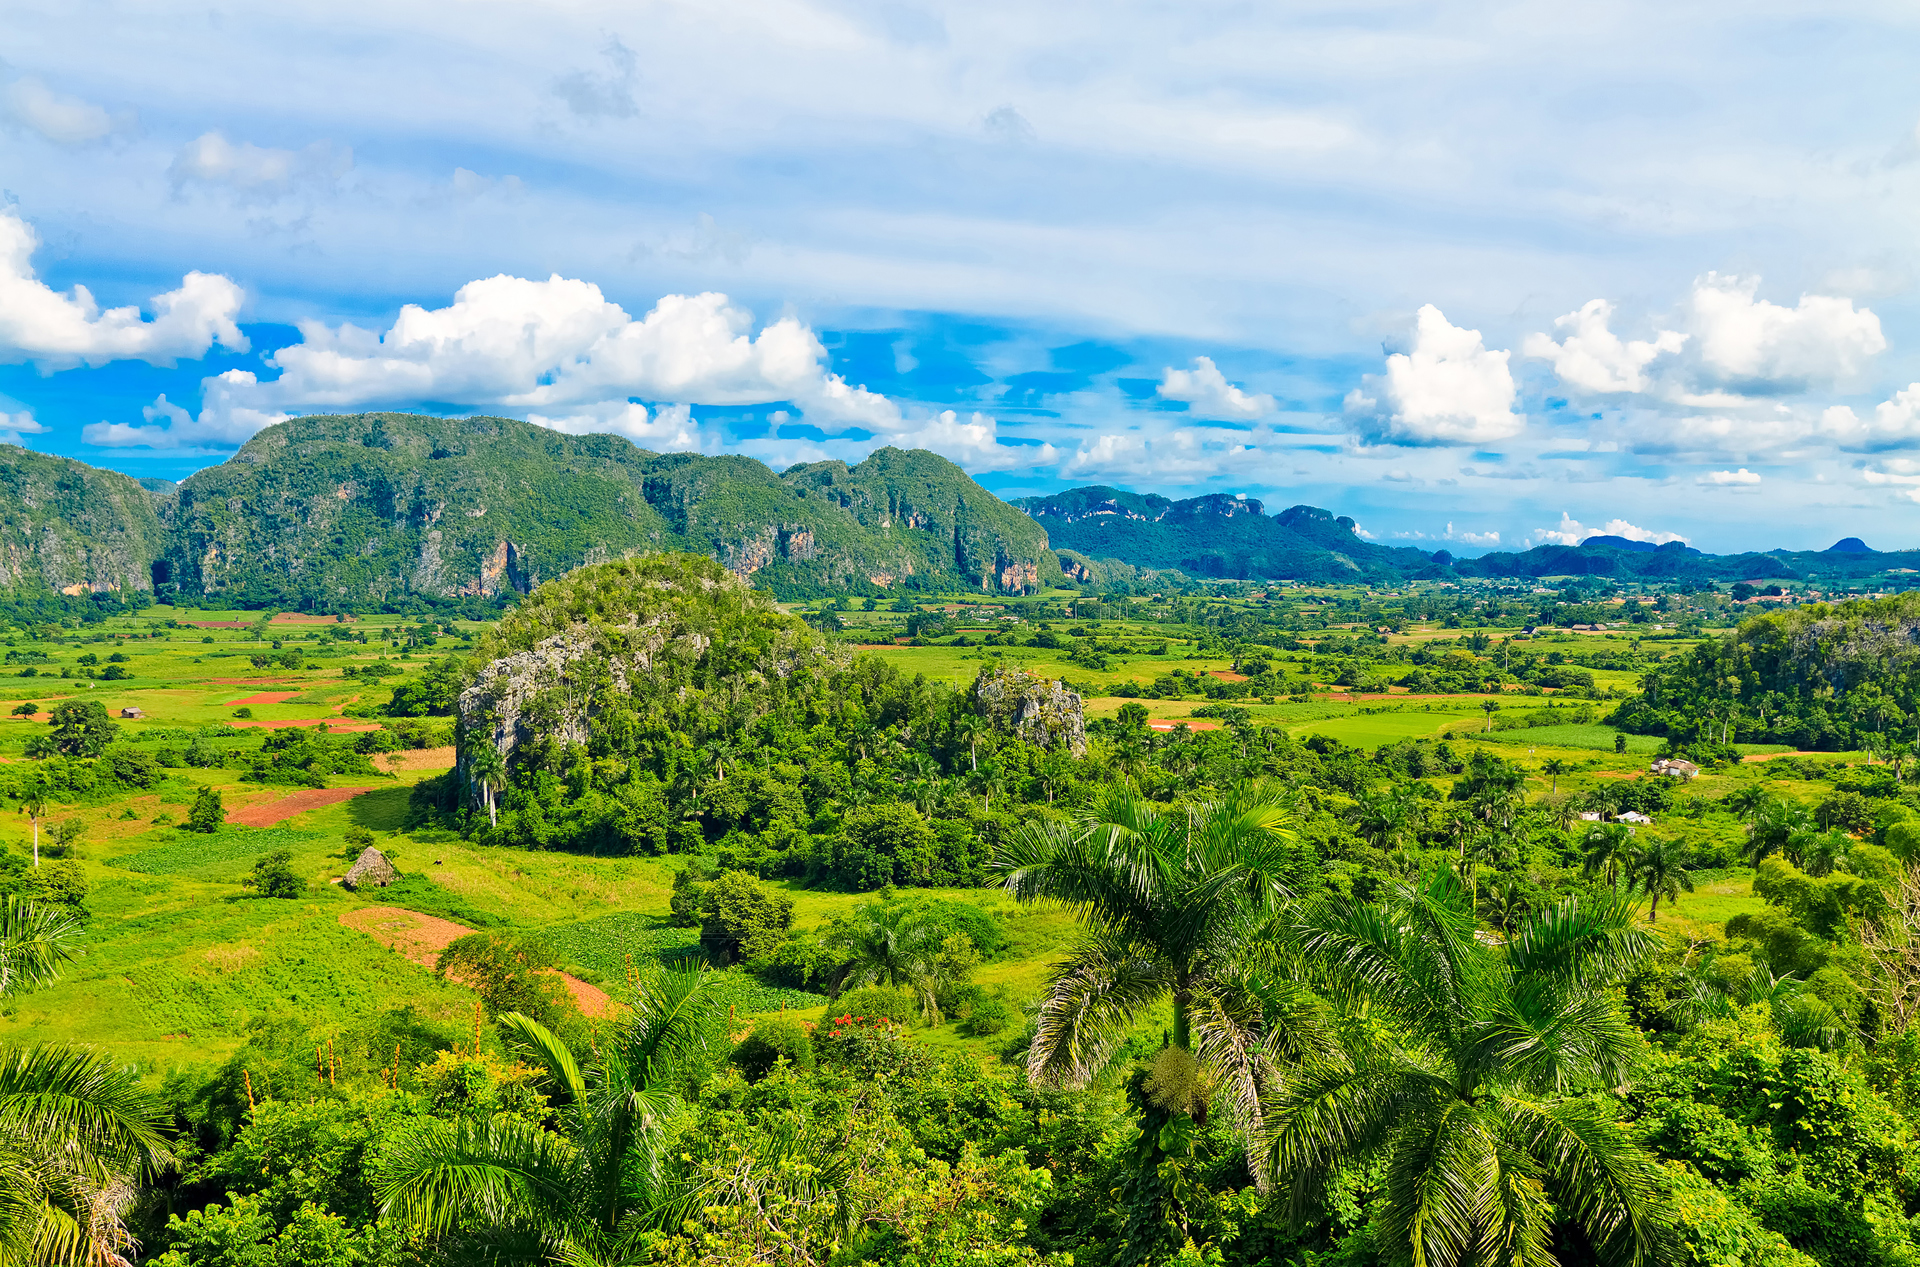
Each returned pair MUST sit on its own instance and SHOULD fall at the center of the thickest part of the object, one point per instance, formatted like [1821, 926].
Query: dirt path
[299, 803]
[421, 938]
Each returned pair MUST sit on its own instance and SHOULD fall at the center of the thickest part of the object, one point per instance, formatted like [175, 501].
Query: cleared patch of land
[299, 803]
[421, 938]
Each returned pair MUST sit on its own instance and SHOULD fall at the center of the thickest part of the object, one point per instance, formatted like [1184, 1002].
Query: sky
[1482, 276]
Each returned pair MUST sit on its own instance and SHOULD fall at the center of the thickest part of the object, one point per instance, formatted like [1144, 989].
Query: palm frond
[1246, 1027]
[1439, 1183]
[1330, 1115]
[1548, 1040]
[1105, 874]
[1586, 943]
[35, 939]
[95, 1112]
[1599, 1176]
[502, 1171]
[1096, 995]
[536, 1040]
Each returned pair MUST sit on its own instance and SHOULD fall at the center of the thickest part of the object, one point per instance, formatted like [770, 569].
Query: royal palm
[1464, 1073]
[1172, 905]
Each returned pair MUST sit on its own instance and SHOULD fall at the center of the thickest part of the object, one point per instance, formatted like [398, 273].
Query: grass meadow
[179, 959]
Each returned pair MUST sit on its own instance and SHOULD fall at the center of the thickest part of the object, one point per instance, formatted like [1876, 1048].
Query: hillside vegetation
[732, 943]
[1827, 677]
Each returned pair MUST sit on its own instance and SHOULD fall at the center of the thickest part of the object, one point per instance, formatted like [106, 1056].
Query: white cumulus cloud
[1450, 389]
[562, 354]
[1752, 345]
[59, 118]
[1741, 476]
[1591, 357]
[59, 331]
[15, 427]
[1183, 456]
[1895, 423]
[1208, 394]
[1571, 532]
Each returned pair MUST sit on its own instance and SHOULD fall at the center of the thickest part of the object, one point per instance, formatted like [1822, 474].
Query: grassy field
[1596, 737]
[180, 960]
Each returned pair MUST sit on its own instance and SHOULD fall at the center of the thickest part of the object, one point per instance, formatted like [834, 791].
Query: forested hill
[1218, 535]
[373, 508]
[1819, 677]
[71, 527]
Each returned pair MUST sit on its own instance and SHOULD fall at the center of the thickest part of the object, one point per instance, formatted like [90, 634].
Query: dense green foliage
[363, 510]
[1817, 677]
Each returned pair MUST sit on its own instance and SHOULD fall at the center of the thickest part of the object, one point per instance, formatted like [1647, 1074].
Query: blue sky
[1487, 275]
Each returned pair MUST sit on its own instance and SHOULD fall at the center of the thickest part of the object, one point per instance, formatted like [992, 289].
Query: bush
[273, 875]
[740, 919]
[876, 1002]
[207, 813]
[773, 1038]
[991, 1014]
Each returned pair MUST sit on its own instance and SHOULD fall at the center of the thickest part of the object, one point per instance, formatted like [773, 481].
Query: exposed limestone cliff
[1041, 711]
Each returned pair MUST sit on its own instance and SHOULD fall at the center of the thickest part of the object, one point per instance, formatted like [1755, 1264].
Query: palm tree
[1553, 768]
[1747, 800]
[73, 1129]
[1490, 707]
[33, 803]
[1466, 1078]
[1381, 819]
[1172, 906]
[580, 1194]
[1776, 827]
[1608, 847]
[895, 947]
[489, 773]
[1658, 869]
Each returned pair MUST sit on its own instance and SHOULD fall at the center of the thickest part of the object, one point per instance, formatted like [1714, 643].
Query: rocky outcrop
[1040, 711]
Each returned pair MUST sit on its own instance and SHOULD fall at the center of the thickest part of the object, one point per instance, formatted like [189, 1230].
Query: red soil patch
[299, 803]
[1191, 723]
[1768, 756]
[421, 938]
[263, 697]
[333, 724]
[1227, 675]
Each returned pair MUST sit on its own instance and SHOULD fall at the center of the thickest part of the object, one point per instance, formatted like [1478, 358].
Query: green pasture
[1593, 736]
[1372, 730]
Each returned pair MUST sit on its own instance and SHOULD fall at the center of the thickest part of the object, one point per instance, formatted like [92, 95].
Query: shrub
[869, 1047]
[991, 1015]
[243, 713]
[773, 1038]
[877, 1002]
[740, 919]
[207, 813]
[273, 876]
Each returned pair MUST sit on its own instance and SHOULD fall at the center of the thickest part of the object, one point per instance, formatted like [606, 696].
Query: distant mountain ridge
[348, 510]
[1216, 535]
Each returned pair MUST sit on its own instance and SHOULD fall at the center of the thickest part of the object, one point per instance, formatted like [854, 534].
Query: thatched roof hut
[371, 868]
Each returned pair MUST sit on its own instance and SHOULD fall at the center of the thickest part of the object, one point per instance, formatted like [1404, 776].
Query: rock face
[371, 869]
[347, 509]
[73, 528]
[675, 639]
[1041, 711]
[554, 689]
